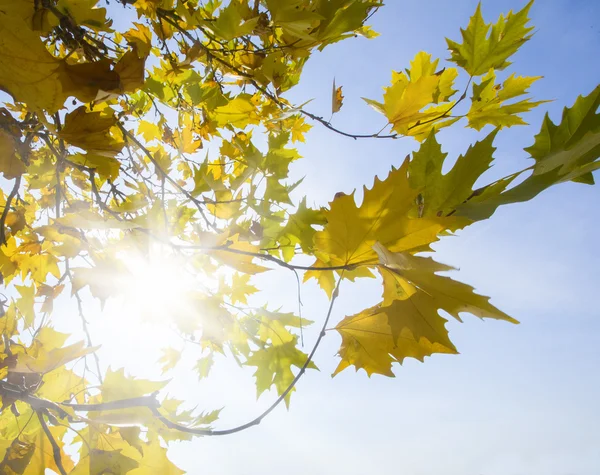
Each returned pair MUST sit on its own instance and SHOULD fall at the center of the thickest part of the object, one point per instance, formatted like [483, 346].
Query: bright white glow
[160, 286]
[158, 299]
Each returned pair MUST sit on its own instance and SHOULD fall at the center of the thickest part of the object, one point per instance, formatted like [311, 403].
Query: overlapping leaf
[419, 99]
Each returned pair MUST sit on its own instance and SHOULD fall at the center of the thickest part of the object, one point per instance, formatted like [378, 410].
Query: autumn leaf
[568, 151]
[383, 216]
[140, 36]
[274, 366]
[169, 359]
[130, 69]
[117, 385]
[48, 360]
[422, 283]
[368, 342]
[483, 48]
[91, 131]
[489, 105]
[10, 163]
[407, 323]
[30, 74]
[231, 22]
[419, 98]
[239, 112]
[440, 193]
[336, 98]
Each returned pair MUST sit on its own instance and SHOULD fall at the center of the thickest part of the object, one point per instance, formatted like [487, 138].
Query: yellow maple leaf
[239, 112]
[368, 341]
[131, 69]
[28, 71]
[91, 131]
[383, 216]
[141, 36]
[489, 102]
[10, 164]
[118, 386]
[336, 98]
[406, 101]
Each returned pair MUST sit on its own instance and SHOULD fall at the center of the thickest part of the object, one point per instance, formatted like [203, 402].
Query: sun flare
[161, 286]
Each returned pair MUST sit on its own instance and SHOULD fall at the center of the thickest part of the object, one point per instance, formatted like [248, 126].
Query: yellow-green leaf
[489, 102]
[483, 49]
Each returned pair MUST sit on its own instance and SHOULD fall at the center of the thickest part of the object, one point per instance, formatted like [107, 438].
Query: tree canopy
[173, 135]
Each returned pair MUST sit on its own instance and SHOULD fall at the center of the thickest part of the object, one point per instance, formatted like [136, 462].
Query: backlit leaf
[483, 49]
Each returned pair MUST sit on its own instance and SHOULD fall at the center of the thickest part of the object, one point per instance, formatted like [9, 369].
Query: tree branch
[166, 176]
[40, 405]
[269, 257]
[250, 78]
[55, 448]
[257, 420]
[6, 209]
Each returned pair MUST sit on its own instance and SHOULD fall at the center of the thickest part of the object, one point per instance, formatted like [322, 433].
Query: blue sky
[519, 399]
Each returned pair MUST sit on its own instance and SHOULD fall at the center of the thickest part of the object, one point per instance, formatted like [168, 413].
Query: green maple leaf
[440, 193]
[274, 366]
[482, 49]
[568, 151]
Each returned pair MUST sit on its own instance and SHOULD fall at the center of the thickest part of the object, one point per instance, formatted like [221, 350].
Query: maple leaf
[299, 229]
[117, 385]
[274, 366]
[483, 49]
[272, 326]
[169, 359]
[241, 288]
[239, 112]
[131, 69]
[140, 36]
[421, 281]
[232, 22]
[45, 360]
[407, 323]
[336, 98]
[30, 74]
[203, 366]
[85, 12]
[384, 216]
[239, 256]
[440, 193]
[368, 341]
[489, 106]
[298, 129]
[91, 131]
[17, 457]
[25, 303]
[568, 151]
[570, 148]
[10, 163]
[406, 101]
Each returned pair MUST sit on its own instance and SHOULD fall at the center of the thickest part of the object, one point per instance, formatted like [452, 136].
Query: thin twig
[257, 420]
[6, 209]
[166, 176]
[84, 322]
[55, 448]
[269, 257]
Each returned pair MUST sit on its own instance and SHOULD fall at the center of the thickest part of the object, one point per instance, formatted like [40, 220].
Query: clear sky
[519, 399]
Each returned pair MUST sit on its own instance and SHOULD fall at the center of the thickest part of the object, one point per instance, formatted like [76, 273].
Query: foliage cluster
[101, 152]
